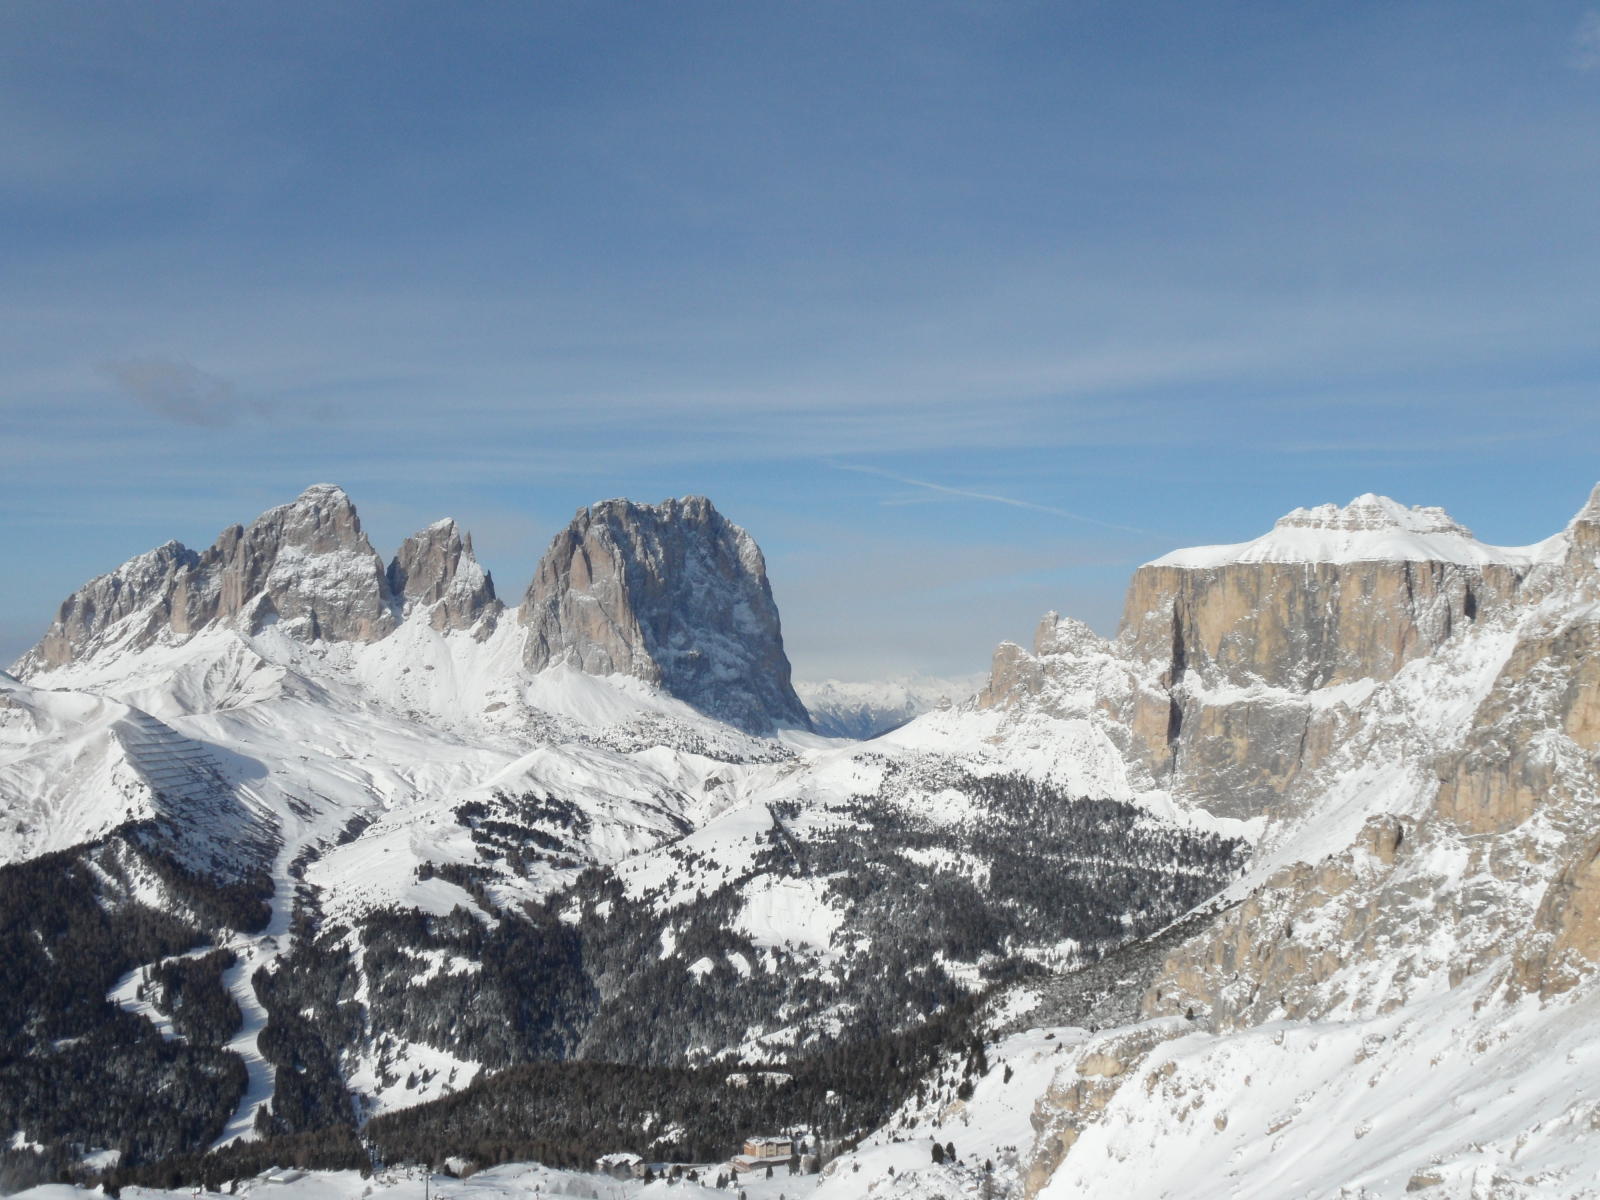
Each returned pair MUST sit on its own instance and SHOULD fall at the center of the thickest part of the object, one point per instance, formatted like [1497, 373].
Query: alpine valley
[316, 870]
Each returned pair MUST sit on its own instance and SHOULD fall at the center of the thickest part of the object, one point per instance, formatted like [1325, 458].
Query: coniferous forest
[592, 1039]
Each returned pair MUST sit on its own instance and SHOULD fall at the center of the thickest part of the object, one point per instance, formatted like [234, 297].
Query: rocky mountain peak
[321, 520]
[149, 592]
[1066, 635]
[435, 571]
[306, 565]
[1583, 534]
[674, 594]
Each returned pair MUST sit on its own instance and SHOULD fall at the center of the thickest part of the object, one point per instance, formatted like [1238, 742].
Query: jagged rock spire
[436, 572]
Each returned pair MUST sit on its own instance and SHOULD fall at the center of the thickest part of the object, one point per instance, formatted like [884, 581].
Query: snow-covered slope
[1448, 1096]
[1369, 529]
[75, 766]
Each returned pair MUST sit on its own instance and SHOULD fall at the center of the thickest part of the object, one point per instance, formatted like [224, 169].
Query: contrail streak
[990, 496]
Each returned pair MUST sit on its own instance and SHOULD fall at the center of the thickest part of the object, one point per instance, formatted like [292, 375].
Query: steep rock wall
[674, 594]
[1300, 626]
[436, 572]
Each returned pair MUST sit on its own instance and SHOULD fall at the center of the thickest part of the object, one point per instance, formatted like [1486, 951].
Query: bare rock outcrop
[436, 574]
[1583, 537]
[307, 564]
[674, 594]
[170, 587]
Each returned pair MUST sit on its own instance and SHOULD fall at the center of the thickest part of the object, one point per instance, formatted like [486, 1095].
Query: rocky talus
[674, 594]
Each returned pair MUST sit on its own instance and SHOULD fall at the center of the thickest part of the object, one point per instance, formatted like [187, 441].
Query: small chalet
[769, 1147]
[618, 1166]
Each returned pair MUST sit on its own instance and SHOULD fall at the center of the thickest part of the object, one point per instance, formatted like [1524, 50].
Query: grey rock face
[165, 588]
[436, 573]
[674, 594]
[1583, 535]
[305, 564]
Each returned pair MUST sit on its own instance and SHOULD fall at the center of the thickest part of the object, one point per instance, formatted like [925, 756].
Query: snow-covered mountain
[1317, 824]
[864, 710]
[1393, 999]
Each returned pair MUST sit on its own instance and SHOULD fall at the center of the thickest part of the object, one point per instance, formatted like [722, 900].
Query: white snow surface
[513, 1181]
[1370, 528]
[75, 765]
[1482, 1099]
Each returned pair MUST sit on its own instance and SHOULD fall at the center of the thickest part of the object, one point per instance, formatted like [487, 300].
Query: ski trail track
[262, 951]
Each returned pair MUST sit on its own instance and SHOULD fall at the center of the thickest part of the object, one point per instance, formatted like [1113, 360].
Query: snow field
[993, 1126]
[1369, 529]
[513, 1181]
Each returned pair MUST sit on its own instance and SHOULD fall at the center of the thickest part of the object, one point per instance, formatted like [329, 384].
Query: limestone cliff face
[1237, 667]
[1484, 854]
[435, 573]
[1331, 595]
[673, 594]
[1255, 642]
[1301, 626]
[306, 565]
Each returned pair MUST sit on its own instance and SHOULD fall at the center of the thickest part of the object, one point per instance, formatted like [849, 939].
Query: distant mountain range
[864, 710]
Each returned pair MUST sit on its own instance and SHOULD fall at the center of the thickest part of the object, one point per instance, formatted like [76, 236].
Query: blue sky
[964, 310]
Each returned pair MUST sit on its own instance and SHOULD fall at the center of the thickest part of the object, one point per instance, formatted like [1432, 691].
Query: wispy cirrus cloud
[1586, 43]
[178, 391]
